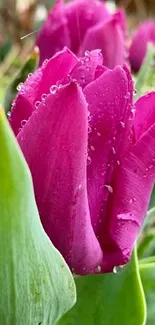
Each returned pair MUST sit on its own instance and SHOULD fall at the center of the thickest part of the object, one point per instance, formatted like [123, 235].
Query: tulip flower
[144, 34]
[91, 153]
[83, 25]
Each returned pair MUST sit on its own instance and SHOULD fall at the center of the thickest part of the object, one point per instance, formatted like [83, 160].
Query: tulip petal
[54, 143]
[132, 188]
[85, 70]
[109, 37]
[144, 34]
[81, 15]
[38, 84]
[54, 31]
[109, 98]
[145, 113]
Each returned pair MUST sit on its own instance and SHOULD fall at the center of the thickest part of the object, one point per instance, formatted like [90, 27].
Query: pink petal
[109, 38]
[81, 15]
[145, 114]
[120, 16]
[54, 34]
[38, 84]
[132, 188]
[85, 70]
[109, 102]
[54, 142]
[145, 33]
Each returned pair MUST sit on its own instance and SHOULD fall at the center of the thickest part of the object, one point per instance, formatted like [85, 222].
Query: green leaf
[4, 49]
[20, 77]
[35, 283]
[109, 299]
[146, 240]
[147, 271]
[145, 80]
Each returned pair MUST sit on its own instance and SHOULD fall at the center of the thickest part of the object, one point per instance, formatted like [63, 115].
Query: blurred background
[19, 18]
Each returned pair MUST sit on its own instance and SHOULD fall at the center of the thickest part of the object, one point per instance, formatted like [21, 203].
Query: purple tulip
[83, 25]
[91, 153]
[144, 34]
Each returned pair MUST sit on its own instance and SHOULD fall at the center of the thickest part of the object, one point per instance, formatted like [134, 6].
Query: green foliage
[145, 80]
[109, 299]
[147, 271]
[29, 66]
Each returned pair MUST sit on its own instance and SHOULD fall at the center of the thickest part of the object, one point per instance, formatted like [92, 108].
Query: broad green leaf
[20, 77]
[35, 283]
[109, 299]
[147, 272]
[145, 80]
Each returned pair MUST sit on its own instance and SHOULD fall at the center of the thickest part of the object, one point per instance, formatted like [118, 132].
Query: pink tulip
[91, 153]
[144, 34]
[83, 25]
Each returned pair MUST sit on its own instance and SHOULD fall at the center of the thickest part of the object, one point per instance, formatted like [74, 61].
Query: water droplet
[89, 117]
[8, 114]
[82, 79]
[127, 96]
[37, 103]
[118, 269]
[80, 186]
[87, 53]
[132, 200]
[135, 91]
[114, 138]
[30, 75]
[23, 122]
[118, 162]
[92, 148]
[45, 62]
[88, 160]
[113, 150]
[122, 124]
[44, 96]
[13, 103]
[98, 269]
[53, 89]
[19, 87]
[109, 188]
[89, 129]
[99, 134]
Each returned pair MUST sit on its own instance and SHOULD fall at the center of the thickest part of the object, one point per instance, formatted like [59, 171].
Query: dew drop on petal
[53, 89]
[19, 87]
[89, 129]
[30, 75]
[132, 200]
[37, 103]
[8, 114]
[122, 124]
[23, 122]
[92, 148]
[99, 134]
[45, 62]
[109, 188]
[88, 160]
[98, 269]
[113, 150]
[118, 269]
[44, 96]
